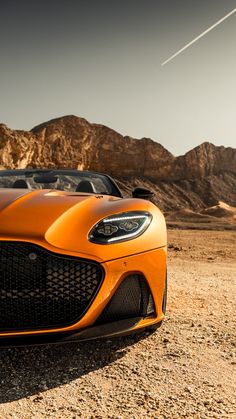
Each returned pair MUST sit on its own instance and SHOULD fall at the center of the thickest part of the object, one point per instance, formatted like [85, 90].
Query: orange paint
[61, 221]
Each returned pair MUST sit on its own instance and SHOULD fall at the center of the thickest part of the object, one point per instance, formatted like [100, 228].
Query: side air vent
[133, 298]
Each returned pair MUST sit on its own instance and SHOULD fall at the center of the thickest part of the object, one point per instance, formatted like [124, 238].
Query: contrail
[199, 36]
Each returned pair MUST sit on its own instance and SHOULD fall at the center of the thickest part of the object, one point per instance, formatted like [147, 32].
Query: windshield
[63, 180]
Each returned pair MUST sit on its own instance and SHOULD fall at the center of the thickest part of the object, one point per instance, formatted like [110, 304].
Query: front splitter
[95, 332]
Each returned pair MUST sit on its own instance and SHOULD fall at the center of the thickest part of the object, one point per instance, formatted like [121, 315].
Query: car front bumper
[151, 265]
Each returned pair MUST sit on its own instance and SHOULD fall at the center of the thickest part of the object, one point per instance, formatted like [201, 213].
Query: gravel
[187, 369]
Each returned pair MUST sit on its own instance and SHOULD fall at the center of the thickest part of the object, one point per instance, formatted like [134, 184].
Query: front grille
[40, 289]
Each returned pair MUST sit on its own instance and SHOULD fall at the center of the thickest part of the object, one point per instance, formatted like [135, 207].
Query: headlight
[120, 227]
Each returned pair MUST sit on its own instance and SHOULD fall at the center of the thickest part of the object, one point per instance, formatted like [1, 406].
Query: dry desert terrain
[186, 369]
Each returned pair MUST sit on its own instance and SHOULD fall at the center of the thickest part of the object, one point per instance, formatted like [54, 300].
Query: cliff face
[205, 160]
[74, 142]
[99, 148]
[16, 147]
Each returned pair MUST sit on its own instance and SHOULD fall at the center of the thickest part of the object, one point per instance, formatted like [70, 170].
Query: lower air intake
[133, 298]
[40, 289]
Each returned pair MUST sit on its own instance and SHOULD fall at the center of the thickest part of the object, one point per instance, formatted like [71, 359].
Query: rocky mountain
[196, 180]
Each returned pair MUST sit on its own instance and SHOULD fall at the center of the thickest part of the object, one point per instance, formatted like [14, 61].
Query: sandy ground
[187, 369]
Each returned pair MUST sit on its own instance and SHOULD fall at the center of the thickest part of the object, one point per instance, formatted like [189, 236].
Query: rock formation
[198, 179]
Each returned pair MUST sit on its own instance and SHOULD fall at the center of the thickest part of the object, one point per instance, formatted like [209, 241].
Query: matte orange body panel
[61, 221]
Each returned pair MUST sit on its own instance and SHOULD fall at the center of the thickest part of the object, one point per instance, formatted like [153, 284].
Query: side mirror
[142, 193]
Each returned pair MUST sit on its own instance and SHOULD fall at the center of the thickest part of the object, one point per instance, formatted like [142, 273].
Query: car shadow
[27, 371]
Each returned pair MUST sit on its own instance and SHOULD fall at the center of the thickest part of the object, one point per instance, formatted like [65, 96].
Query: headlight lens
[120, 227]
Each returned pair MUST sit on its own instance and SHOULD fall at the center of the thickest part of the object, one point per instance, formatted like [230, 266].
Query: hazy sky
[101, 59]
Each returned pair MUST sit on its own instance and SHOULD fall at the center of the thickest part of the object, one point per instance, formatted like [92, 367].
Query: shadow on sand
[27, 371]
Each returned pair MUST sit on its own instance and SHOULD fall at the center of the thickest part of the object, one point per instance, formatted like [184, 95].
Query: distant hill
[196, 180]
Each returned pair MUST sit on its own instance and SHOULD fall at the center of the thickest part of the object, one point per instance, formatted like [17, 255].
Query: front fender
[70, 231]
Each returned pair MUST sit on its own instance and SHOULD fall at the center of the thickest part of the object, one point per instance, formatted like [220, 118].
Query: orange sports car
[77, 260]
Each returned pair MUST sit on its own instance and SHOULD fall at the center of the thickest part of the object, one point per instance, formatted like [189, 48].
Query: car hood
[63, 220]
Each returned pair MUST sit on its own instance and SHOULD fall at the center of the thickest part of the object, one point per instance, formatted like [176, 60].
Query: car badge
[32, 256]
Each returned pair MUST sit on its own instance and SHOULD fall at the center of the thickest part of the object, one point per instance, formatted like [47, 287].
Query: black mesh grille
[40, 289]
[133, 298]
